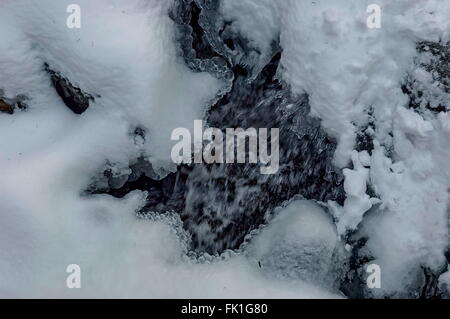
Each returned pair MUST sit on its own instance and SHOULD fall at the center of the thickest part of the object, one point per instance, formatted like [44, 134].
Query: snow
[411, 227]
[131, 63]
[125, 53]
[343, 65]
[257, 20]
[357, 202]
[300, 243]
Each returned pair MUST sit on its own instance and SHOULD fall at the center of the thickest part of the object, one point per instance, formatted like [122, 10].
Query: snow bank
[410, 228]
[124, 53]
[300, 243]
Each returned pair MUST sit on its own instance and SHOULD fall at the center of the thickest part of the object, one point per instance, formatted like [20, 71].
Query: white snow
[411, 227]
[257, 20]
[357, 202]
[300, 243]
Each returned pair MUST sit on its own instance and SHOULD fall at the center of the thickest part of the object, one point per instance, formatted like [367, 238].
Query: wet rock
[444, 284]
[430, 287]
[73, 97]
[6, 107]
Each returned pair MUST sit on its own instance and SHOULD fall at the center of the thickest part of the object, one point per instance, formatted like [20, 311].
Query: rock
[73, 97]
[6, 107]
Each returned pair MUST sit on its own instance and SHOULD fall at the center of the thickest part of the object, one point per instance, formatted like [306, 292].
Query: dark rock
[6, 107]
[430, 288]
[73, 97]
